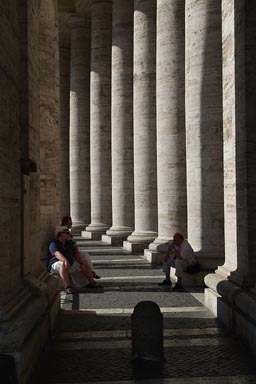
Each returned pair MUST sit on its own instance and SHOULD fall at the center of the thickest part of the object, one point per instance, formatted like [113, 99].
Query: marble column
[101, 196]
[171, 142]
[49, 123]
[64, 53]
[122, 123]
[145, 181]
[231, 292]
[204, 130]
[80, 121]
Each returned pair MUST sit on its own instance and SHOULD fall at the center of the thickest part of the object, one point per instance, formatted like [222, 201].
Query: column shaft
[80, 122]
[64, 125]
[171, 142]
[101, 206]
[49, 122]
[239, 95]
[145, 183]
[204, 129]
[122, 119]
[231, 294]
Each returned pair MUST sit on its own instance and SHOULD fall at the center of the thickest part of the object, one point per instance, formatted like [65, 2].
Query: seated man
[179, 255]
[62, 260]
[67, 221]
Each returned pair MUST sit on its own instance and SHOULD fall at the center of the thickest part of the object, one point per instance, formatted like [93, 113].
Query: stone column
[101, 206]
[49, 122]
[64, 53]
[80, 121]
[171, 142]
[145, 184]
[204, 130]
[231, 292]
[122, 123]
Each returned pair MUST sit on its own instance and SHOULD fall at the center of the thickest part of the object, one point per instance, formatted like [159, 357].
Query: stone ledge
[92, 235]
[134, 247]
[113, 240]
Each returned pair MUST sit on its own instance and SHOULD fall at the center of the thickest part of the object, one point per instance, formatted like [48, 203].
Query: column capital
[94, 2]
[77, 21]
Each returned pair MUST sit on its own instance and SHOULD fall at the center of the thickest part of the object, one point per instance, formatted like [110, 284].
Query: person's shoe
[165, 283]
[177, 287]
[70, 290]
[95, 276]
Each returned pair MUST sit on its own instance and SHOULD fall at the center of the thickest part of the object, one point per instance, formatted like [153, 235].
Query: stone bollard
[147, 333]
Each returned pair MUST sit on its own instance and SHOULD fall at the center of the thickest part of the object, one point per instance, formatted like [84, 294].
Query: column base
[77, 228]
[95, 231]
[113, 240]
[133, 247]
[156, 250]
[153, 257]
[139, 240]
[234, 306]
[116, 235]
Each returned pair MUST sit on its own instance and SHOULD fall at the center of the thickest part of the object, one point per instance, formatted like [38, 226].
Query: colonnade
[151, 114]
[171, 137]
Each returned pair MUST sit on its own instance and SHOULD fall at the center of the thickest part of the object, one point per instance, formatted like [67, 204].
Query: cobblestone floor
[94, 339]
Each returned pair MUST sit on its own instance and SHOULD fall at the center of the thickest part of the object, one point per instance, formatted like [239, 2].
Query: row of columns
[156, 163]
[172, 137]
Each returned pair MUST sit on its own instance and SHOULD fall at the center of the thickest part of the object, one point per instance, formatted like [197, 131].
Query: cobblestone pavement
[93, 343]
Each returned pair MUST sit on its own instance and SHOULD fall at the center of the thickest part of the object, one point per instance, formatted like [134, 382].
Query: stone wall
[29, 300]
[10, 178]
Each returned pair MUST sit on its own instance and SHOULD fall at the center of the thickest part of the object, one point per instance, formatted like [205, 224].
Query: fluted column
[80, 121]
[204, 129]
[171, 142]
[122, 122]
[232, 286]
[64, 53]
[101, 206]
[145, 187]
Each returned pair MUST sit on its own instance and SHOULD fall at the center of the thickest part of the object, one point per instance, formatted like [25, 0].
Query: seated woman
[67, 221]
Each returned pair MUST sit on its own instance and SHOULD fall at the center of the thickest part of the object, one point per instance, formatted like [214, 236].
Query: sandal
[95, 275]
[69, 290]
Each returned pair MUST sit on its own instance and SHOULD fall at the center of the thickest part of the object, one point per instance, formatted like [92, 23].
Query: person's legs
[166, 269]
[180, 267]
[58, 267]
[85, 268]
[87, 257]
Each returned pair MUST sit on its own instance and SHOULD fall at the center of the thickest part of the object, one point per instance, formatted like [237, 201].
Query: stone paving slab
[93, 340]
[116, 364]
[77, 322]
[121, 299]
[250, 379]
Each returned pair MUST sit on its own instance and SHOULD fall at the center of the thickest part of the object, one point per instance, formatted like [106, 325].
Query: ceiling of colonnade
[68, 7]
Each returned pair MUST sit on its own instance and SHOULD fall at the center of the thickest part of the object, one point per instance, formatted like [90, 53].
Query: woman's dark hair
[65, 220]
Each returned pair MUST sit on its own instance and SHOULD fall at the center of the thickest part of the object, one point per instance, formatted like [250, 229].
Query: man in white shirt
[180, 255]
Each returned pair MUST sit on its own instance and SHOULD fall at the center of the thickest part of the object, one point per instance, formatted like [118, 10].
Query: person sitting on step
[62, 260]
[67, 221]
[179, 255]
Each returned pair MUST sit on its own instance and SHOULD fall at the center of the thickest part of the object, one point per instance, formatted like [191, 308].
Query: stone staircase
[93, 341]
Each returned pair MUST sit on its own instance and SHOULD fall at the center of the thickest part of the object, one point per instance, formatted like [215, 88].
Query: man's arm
[54, 252]
[171, 249]
[62, 258]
